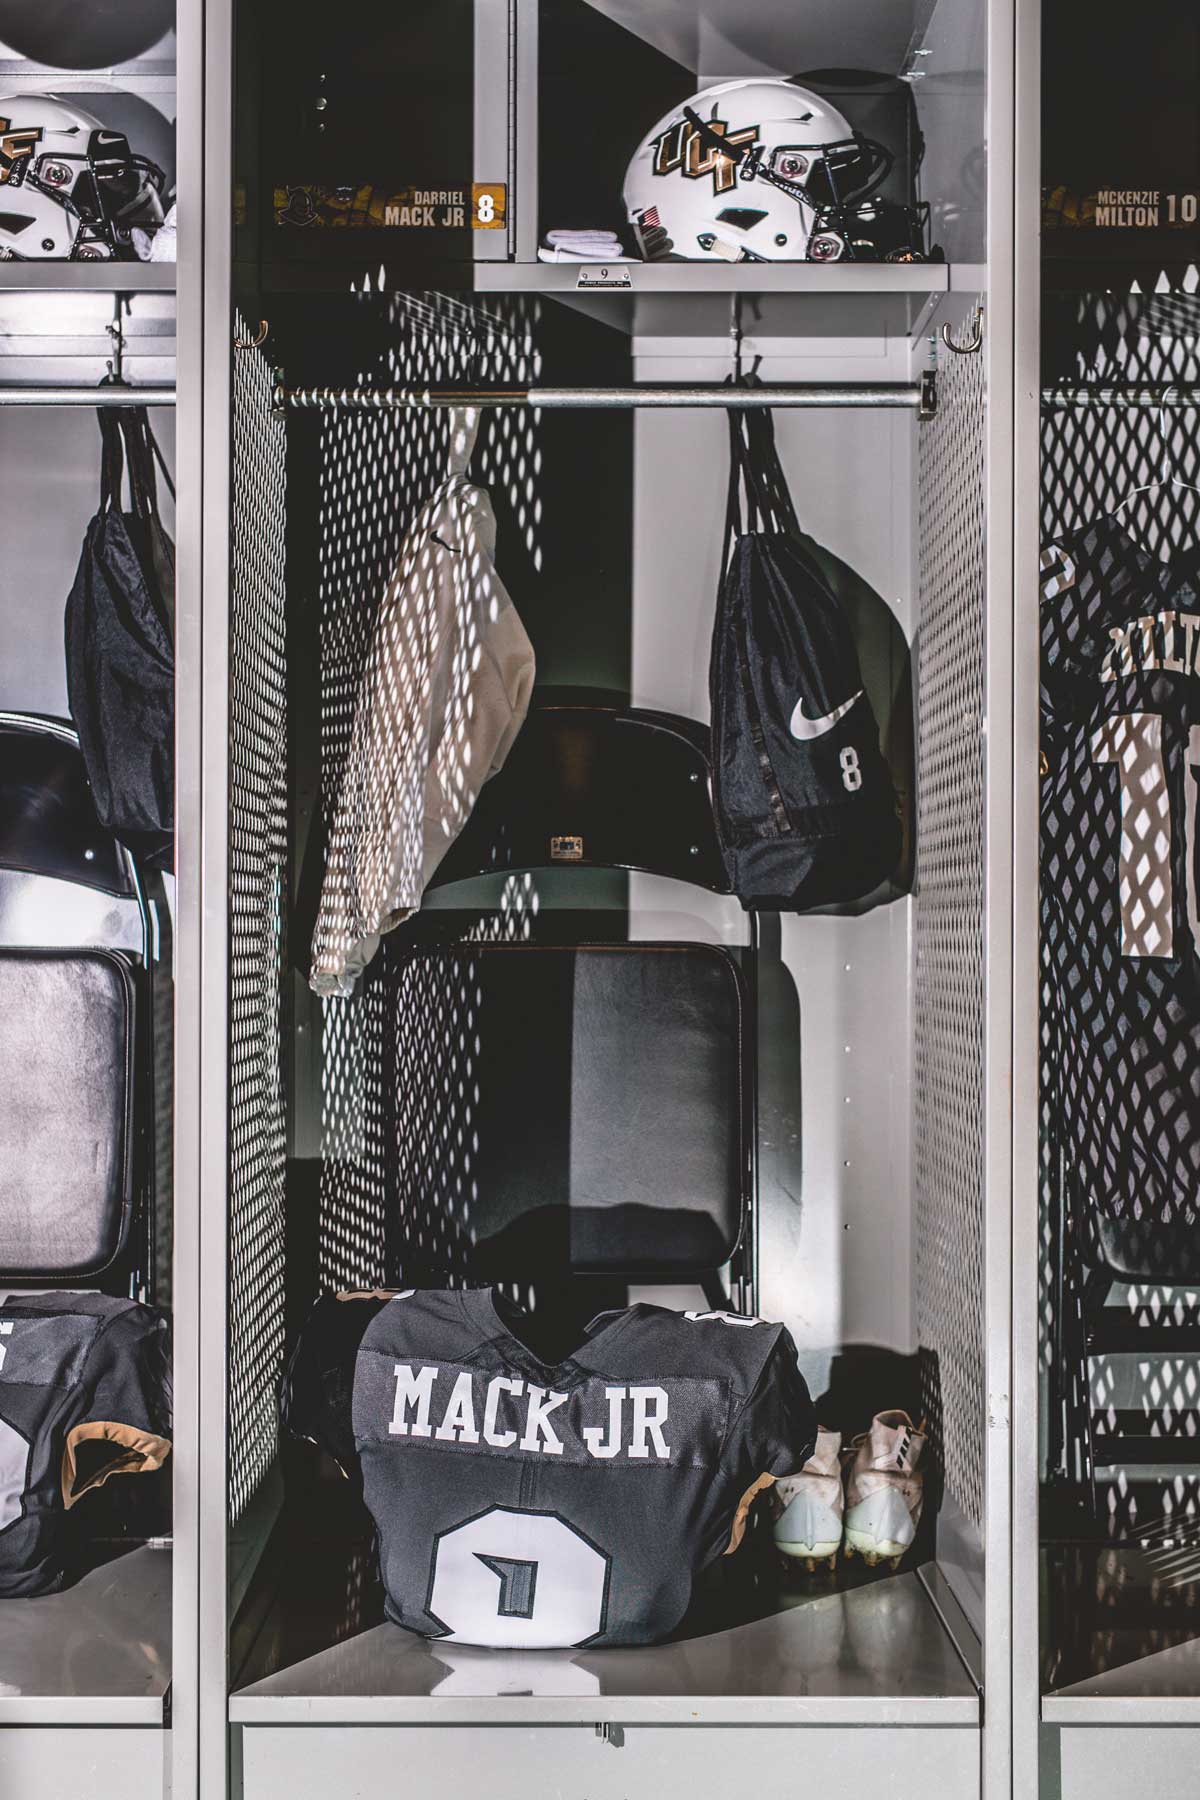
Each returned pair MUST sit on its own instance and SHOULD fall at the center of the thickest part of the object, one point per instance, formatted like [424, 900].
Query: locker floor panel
[862, 1656]
[1122, 1620]
[97, 1654]
[1160, 1689]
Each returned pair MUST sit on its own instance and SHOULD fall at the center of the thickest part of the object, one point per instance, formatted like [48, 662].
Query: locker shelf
[853, 1657]
[704, 278]
[97, 1654]
[853, 300]
[88, 277]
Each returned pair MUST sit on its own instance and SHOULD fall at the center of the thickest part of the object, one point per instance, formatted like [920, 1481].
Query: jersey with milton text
[1120, 922]
[522, 1505]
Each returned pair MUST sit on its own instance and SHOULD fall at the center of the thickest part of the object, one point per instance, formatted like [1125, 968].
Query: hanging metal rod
[1068, 399]
[89, 396]
[912, 396]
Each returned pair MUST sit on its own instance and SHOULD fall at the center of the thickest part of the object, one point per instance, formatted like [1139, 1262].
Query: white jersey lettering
[647, 1423]
[593, 1435]
[499, 1384]
[412, 1390]
[458, 1420]
[537, 1421]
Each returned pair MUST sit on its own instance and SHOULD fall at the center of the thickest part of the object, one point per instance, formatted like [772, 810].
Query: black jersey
[1120, 927]
[520, 1505]
[84, 1395]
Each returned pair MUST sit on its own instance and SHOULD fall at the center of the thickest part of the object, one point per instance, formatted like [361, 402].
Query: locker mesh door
[257, 938]
[948, 1017]
[397, 1064]
[1092, 459]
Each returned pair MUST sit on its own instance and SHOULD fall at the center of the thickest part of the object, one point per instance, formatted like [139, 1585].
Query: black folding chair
[79, 941]
[606, 1088]
[1090, 1254]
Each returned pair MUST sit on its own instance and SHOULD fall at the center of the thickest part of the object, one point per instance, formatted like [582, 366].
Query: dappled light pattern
[948, 992]
[398, 1056]
[1092, 460]
[257, 939]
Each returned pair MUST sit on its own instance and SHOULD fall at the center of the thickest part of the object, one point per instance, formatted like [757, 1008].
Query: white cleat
[809, 1507]
[885, 1490]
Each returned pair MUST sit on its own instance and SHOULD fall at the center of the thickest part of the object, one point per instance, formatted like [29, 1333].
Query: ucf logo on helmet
[680, 147]
[16, 148]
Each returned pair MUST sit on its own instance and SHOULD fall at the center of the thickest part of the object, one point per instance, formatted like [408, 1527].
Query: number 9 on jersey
[518, 1581]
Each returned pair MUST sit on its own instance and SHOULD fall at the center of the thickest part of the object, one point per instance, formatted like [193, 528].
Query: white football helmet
[69, 188]
[756, 170]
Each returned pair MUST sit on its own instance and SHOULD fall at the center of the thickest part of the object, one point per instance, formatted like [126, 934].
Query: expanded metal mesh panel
[163, 1025]
[257, 887]
[948, 983]
[397, 1058]
[1092, 460]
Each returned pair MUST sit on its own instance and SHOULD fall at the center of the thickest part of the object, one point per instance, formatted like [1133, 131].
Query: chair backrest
[64, 879]
[608, 1086]
[589, 783]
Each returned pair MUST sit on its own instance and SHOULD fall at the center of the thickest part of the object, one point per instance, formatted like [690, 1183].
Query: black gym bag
[805, 808]
[120, 645]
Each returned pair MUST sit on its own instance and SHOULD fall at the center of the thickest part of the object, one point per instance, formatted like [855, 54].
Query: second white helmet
[69, 188]
[758, 170]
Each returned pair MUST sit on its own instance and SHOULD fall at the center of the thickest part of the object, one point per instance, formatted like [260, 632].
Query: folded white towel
[156, 246]
[555, 253]
[586, 236]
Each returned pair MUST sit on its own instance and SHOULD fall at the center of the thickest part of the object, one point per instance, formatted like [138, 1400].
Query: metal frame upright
[200, 1735]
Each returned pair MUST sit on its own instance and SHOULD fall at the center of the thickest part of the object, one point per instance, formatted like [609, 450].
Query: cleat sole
[823, 1552]
[881, 1549]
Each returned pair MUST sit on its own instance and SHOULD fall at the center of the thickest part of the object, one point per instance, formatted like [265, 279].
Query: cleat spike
[848, 1551]
[895, 1561]
[810, 1565]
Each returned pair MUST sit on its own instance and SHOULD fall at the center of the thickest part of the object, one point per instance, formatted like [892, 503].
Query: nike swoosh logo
[805, 730]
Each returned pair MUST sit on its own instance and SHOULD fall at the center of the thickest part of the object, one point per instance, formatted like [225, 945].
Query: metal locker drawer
[575, 1762]
[1111, 1762]
[63, 1762]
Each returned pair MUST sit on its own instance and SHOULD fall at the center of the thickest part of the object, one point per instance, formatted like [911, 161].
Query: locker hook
[974, 343]
[254, 343]
[116, 331]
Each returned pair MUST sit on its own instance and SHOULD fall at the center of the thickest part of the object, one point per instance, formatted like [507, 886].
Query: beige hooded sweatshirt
[445, 690]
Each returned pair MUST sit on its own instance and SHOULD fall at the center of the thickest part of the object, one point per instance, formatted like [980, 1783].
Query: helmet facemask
[826, 182]
[105, 190]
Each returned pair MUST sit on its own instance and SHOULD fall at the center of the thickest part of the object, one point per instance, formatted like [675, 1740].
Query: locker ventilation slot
[948, 977]
[257, 951]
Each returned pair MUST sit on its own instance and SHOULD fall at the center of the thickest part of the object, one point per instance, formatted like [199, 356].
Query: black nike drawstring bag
[805, 808]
